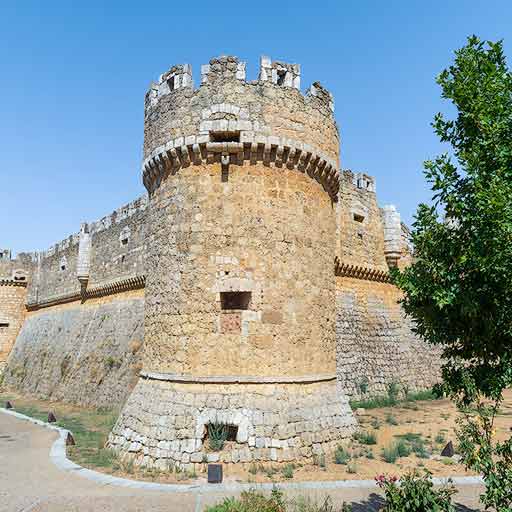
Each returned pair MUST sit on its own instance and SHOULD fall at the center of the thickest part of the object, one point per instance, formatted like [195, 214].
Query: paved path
[29, 481]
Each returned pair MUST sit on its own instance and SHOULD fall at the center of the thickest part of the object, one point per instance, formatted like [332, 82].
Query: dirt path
[30, 482]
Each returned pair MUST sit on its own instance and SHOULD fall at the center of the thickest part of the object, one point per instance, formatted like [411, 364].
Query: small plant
[369, 454]
[351, 468]
[287, 470]
[362, 385]
[217, 435]
[390, 419]
[375, 423]
[253, 469]
[319, 460]
[365, 437]
[440, 439]
[393, 389]
[341, 456]
[415, 493]
[397, 449]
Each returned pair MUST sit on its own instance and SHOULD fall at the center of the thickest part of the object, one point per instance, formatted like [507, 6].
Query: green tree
[459, 288]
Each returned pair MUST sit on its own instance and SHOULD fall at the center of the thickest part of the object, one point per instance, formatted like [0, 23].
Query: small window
[224, 136]
[235, 300]
[281, 75]
[171, 83]
[63, 263]
[124, 241]
[4, 324]
[358, 217]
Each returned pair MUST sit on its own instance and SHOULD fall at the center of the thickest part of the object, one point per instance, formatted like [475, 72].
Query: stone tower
[240, 291]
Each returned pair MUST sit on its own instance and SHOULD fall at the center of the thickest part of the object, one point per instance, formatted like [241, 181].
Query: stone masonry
[248, 288]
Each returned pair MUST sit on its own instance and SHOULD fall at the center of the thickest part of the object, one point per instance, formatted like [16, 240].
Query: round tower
[240, 286]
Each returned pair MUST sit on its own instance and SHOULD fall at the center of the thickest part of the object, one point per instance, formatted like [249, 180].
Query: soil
[431, 421]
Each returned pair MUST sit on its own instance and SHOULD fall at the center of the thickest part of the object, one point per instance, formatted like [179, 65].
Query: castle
[249, 288]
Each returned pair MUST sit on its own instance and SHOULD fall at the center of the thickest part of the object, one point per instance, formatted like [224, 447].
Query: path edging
[59, 457]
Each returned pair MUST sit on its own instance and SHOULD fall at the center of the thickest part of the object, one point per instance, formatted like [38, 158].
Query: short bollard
[8, 405]
[70, 440]
[51, 417]
[214, 473]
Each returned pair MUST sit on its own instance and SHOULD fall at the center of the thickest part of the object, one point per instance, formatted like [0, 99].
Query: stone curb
[59, 458]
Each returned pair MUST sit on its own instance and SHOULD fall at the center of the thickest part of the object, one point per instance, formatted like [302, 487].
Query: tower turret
[240, 306]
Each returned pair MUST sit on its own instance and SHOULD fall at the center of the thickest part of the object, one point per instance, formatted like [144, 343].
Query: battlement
[230, 120]
[225, 69]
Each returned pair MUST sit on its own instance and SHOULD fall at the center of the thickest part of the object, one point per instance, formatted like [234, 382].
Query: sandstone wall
[88, 354]
[116, 252]
[375, 343]
[12, 313]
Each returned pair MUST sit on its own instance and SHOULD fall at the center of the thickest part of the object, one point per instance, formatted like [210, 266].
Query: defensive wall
[82, 313]
[245, 197]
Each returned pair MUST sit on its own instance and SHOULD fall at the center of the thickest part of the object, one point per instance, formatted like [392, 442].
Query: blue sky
[74, 75]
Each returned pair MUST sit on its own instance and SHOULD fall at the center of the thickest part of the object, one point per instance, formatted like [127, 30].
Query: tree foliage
[459, 288]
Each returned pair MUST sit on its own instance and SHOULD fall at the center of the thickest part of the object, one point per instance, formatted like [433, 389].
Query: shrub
[217, 435]
[397, 449]
[287, 470]
[365, 437]
[415, 493]
[251, 501]
[393, 389]
[390, 419]
[341, 456]
[362, 385]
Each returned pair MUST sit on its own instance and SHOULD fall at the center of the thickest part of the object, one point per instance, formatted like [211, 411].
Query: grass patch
[398, 449]
[391, 399]
[287, 470]
[341, 455]
[90, 428]
[390, 419]
[365, 437]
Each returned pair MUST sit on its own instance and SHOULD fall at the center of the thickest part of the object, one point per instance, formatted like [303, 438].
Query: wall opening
[216, 434]
[235, 300]
[358, 217]
[171, 83]
[281, 75]
[124, 241]
[4, 324]
[225, 136]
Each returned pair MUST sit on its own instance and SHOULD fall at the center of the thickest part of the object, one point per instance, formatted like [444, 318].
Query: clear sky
[73, 77]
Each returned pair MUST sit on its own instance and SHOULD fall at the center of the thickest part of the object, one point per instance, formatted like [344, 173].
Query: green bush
[341, 456]
[397, 449]
[217, 435]
[365, 437]
[393, 389]
[252, 501]
[415, 493]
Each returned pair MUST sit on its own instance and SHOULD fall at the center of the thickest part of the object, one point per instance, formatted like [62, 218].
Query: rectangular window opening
[358, 217]
[224, 136]
[4, 324]
[124, 241]
[235, 300]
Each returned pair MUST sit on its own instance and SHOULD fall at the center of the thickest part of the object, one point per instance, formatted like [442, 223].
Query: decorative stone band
[365, 273]
[123, 285]
[236, 379]
[12, 282]
[281, 152]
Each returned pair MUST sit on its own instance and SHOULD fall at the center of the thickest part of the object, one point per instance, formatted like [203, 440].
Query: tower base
[165, 423]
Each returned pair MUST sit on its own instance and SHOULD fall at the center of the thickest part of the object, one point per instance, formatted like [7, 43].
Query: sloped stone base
[165, 423]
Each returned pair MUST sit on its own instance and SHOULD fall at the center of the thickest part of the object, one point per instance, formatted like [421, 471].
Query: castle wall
[12, 313]
[360, 232]
[87, 354]
[375, 344]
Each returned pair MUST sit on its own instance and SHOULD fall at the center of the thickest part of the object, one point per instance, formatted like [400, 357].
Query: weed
[365, 437]
[440, 439]
[287, 470]
[351, 468]
[390, 419]
[319, 460]
[341, 456]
